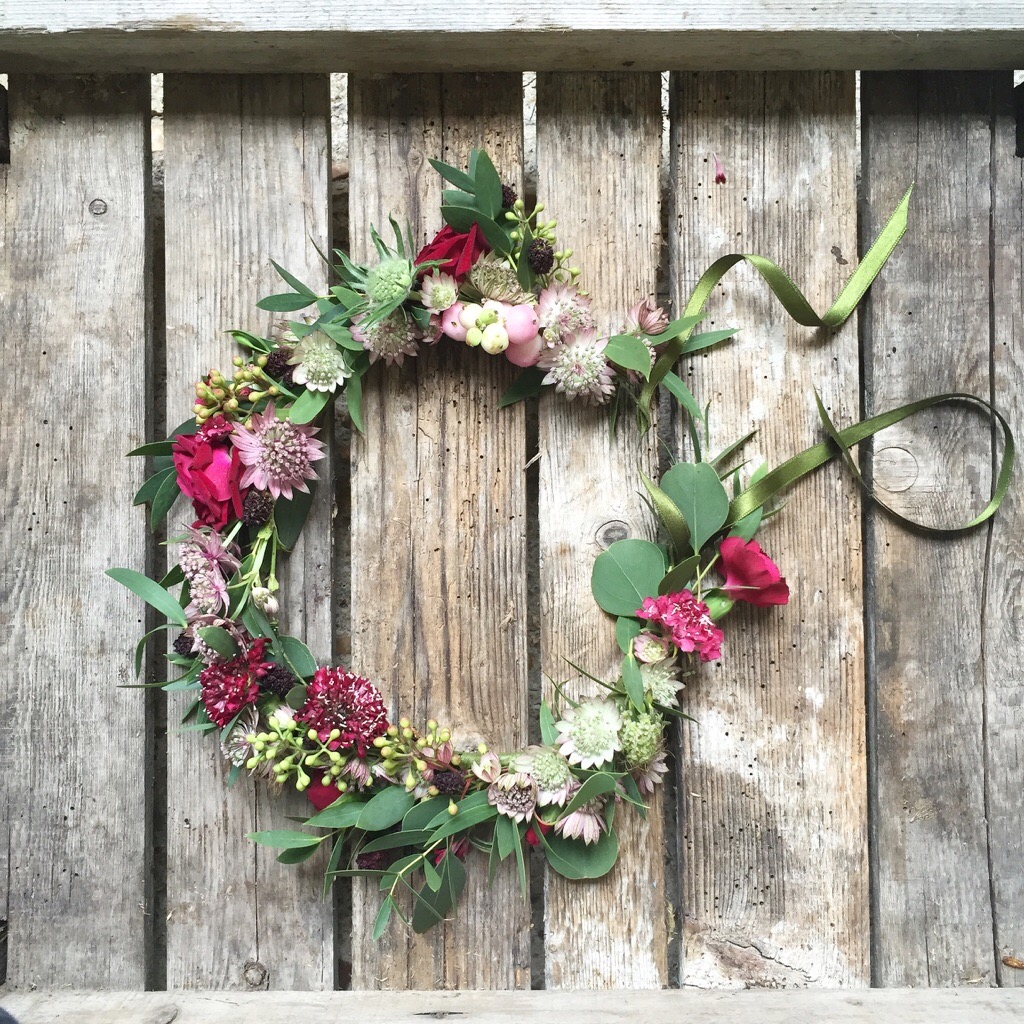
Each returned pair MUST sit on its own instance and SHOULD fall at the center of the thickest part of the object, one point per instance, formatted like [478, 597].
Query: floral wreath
[394, 799]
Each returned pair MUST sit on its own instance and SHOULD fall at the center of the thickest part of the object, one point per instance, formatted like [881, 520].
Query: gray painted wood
[1003, 629]
[928, 330]
[439, 517]
[247, 180]
[403, 36]
[773, 787]
[877, 1006]
[598, 156]
[74, 292]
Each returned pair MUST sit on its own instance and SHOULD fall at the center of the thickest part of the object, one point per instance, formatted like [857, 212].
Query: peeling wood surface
[247, 179]
[877, 1006]
[598, 155]
[945, 713]
[439, 518]
[773, 789]
[365, 36]
[72, 807]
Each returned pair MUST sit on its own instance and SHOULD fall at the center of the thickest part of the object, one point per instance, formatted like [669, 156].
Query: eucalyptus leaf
[596, 785]
[633, 682]
[147, 492]
[629, 352]
[682, 394]
[668, 511]
[396, 840]
[626, 573]
[153, 448]
[696, 342]
[626, 629]
[296, 655]
[488, 185]
[308, 406]
[699, 495]
[220, 640]
[424, 812]
[343, 813]
[679, 576]
[505, 835]
[380, 922]
[290, 514]
[462, 821]
[458, 178]
[299, 287]
[297, 854]
[548, 729]
[283, 839]
[166, 495]
[573, 859]
[296, 697]
[286, 302]
[529, 383]
[431, 907]
[151, 592]
[385, 809]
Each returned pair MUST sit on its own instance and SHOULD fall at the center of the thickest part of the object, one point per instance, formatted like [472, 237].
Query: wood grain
[404, 36]
[930, 331]
[875, 1006]
[773, 786]
[1003, 628]
[247, 179]
[598, 157]
[74, 253]
[439, 517]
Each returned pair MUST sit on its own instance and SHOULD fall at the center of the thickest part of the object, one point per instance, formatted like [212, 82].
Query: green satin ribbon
[782, 286]
[840, 442]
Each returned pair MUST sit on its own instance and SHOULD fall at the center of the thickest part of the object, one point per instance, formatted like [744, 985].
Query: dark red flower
[338, 699]
[229, 686]
[460, 847]
[460, 250]
[750, 575]
[322, 791]
[209, 472]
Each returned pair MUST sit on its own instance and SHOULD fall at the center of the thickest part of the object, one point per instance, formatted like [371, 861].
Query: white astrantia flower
[319, 364]
[579, 369]
[550, 770]
[650, 775]
[438, 291]
[390, 339]
[237, 745]
[661, 682]
[588, 735]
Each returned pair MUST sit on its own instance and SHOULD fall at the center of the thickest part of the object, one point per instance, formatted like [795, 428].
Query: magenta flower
[750, 575]
[277, 454]
[686, 622]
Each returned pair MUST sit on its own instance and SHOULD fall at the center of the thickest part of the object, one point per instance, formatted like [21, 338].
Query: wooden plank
[598, 156]
[247, 179]
[1001, 633]
[928, 330]
[874, 1006]
[439, 517]
[773, 787]
[364, 36]
[74, 253]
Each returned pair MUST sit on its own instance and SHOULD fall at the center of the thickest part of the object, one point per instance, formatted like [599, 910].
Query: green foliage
[694, 488]
[626, 573]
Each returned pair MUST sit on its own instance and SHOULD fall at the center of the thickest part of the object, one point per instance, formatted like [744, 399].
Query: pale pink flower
[562, 313]
[390, 339]
[579, 369]
[646, 318]
[277, 454]
[586, 822]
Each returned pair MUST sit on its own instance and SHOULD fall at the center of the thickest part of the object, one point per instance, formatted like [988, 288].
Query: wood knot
[97, 207]
[608, 533]
[254, 974]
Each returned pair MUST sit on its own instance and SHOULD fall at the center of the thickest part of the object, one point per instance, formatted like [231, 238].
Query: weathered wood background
[846, 808]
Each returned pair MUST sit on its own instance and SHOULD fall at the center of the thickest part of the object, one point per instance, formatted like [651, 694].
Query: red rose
[750, 575]
[209, 472]
[459, 250]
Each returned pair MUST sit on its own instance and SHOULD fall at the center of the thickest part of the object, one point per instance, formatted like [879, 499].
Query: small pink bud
[719, 170]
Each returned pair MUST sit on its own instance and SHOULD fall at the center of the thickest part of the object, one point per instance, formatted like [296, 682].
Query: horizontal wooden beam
[407, 35]
[749, 1006]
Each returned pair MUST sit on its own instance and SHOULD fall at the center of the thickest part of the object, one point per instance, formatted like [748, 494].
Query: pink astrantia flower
[686, 622]
[277, 454]
[586, 822]
[562, 313]
[578, 369]
[750, 575]
[646, 318]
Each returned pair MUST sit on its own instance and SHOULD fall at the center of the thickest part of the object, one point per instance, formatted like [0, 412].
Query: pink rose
[209, 472]
[750, 575]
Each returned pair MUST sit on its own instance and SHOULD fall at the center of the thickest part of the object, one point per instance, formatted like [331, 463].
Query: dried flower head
[514, 795]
